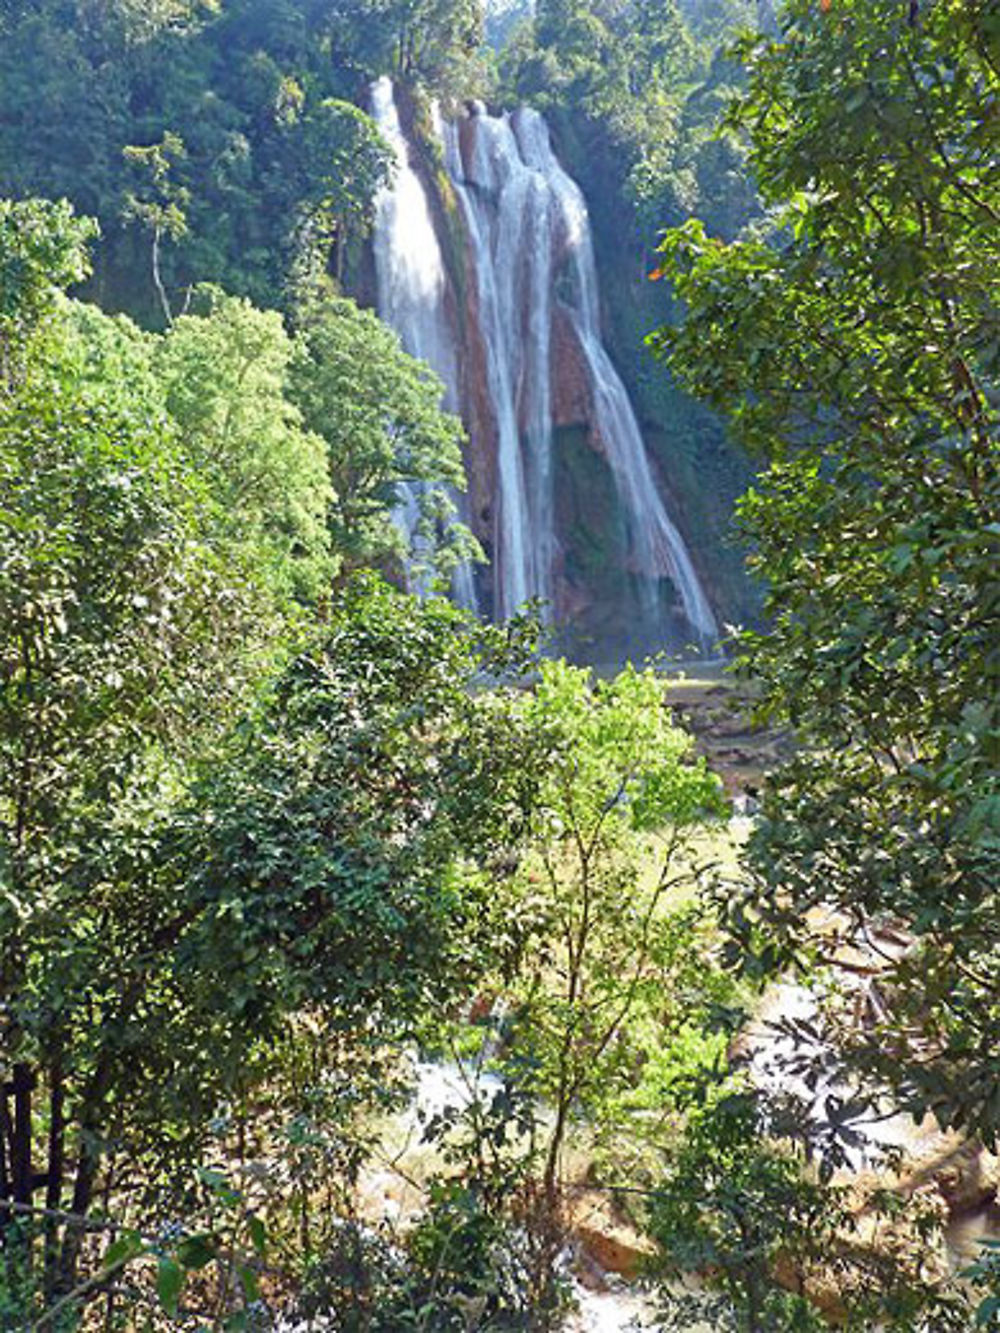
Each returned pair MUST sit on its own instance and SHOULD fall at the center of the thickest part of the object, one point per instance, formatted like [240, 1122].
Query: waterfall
[409, 269]
[530, 265]
[507, 211]
[411, 287]
[527, 210]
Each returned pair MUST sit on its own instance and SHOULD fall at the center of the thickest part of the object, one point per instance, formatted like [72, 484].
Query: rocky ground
[718, 711]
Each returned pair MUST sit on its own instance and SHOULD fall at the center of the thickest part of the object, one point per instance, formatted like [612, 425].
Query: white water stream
[658, 548]
[440, 1086]
[411, 286]
[409, 269]
[532, 258]
[509, 220]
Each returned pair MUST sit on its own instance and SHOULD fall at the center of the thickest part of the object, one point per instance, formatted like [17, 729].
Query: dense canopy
[366, 965]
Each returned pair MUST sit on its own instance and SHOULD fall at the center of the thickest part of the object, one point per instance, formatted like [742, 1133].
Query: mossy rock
[612, 620]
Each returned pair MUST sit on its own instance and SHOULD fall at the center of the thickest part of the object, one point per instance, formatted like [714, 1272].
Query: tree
[152, 848]
[43, 248]
[341, 162]
[218, 380]
[158, 203]
[856, 349]
[736, 1203]
[427, 40]
[388, 442]
[125, 646]
[595, 945]
[740, 1207]
[239, 130]
[610, 949]
[224, 376]
[117, 657]
[173, 886]
[340, 819]
[104, 360]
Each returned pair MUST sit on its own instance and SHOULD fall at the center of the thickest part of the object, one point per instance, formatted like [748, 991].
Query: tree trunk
[6, 1152]
[549, 1182]
[20, 1166]
[87, 1164]
[56, 1166]
[161, 291]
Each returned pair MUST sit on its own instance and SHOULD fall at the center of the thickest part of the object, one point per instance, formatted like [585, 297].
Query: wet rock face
[480, 420]
[572, 400]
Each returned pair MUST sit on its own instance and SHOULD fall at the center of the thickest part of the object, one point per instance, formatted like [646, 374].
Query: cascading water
[531, 264]
[409, 270]
[524, 211]
[507, 211]
[411, 283]
[659, 548]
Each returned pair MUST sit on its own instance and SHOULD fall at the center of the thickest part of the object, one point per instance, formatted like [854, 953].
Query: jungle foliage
[853, 341]
[856, 349]
[214, 143]
[267, 823]
[262, 817]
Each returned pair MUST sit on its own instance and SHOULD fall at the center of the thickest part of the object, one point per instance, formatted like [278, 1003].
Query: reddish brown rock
[571, 400]
[605, 1242]
[481, 450]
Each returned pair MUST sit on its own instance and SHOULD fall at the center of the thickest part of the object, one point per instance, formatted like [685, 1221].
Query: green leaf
[249, 1282]
[258, 1233]
[196, 1251]
[169, 1281]
[127, 1246]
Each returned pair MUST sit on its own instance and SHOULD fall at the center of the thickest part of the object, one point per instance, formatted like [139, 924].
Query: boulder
[605, 1242]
